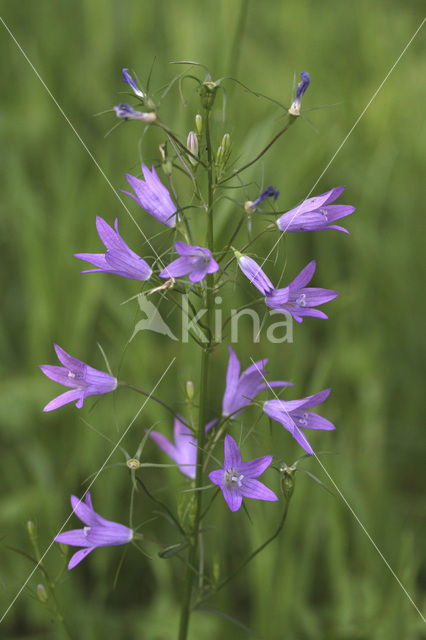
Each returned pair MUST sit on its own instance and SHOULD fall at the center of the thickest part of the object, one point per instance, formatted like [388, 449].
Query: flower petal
[74, 538]
[254, 468]
[233, 497]
[304, 277]
[79, 556]
[257, 490]
[64, 398]
[60, 375]
[232, 453]
[311, 420]
[232, 378]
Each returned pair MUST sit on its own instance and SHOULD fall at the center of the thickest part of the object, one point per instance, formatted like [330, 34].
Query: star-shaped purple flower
[183, 452]
[297, 299]
[293, 416]
[119, 259]
[153, 196]
[240, 389]
[83, 380]
[316, 213]
[237, 479]
[98, 532]
[195, 261]
[254, 273]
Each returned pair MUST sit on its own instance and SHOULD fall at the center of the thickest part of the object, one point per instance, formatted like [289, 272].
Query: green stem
[194, 534]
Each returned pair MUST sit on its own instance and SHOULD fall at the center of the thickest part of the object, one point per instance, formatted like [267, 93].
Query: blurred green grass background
[322, 579]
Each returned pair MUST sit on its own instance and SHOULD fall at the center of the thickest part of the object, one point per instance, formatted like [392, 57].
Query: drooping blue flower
[316, 213]
[268, 193]
[97, 532]
[83, 380]
[240, 389]
[127, 112]
[237, 479]
[301, 88]
[153, 196]
[196, 262]
[299, 300]
[132, 83]
[118, 259]
[254, 273]
[293, 416]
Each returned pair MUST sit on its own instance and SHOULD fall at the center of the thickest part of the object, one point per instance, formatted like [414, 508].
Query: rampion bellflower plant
[240, 389]
[119, 259]
[98, 532]
[237, 479]
[297, 299]
[293, 416]
[196, 262]
[316, 213]
[83, 380]
[153, 196]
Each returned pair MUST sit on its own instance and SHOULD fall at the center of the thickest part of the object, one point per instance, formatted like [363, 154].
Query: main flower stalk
[193, 565]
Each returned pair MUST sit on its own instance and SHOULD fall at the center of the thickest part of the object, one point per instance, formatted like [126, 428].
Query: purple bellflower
[240, 389]
[304, 83]
[237, 479]
[153, 196]
[269, 192]
[98, 532]
[83, 380]
[316, 213]
[293, 416]
[254, 273]
[195, 261]
[132, 83]
[297, 299]
[183, 452]
[119, 259]
[127, 112]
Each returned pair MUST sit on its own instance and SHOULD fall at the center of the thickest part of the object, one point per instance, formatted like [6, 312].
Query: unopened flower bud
[31, 528]
[166, 164]
[301, 88]
[250, 206]
[219, 155]
[127, 112]
[199, 123]
[226, 142]
[192, 146]
[42, 593]
[208, 94]
[190, 389]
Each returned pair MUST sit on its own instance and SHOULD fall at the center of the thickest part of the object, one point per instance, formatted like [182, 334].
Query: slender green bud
[219, 156]
[190, 390]
[192, 146]
[199, 124]
[42, 593]
[166, 164]
[226, 142]
[32, 531]
[216, 569]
